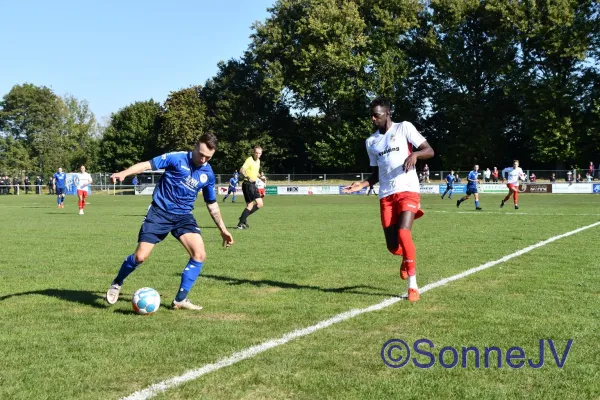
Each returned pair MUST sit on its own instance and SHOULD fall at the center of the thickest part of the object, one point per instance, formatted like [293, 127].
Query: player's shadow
[75, 296]
[359, 289]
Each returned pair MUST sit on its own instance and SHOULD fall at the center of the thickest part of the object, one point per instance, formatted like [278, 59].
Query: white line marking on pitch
[514, 213]
[250, 352]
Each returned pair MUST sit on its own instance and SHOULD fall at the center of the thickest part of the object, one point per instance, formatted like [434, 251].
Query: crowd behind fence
[102, 183]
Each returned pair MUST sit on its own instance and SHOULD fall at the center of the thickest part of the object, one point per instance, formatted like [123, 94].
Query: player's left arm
[424, 152]
[215, 214]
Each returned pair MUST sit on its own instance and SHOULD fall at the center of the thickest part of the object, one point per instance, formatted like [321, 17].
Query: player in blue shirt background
[232, 186]
[449, 184]
[186, 173]
[59, 183]
[472, 180]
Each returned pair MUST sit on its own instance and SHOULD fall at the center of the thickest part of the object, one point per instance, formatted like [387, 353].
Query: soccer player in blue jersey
[449, 184]
[472, 180]
[232, 187]
[59, 184]
[186, 173]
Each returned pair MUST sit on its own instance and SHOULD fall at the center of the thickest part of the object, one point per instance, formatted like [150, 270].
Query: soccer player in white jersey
[514, 173]
[393, 161]
[82, 180]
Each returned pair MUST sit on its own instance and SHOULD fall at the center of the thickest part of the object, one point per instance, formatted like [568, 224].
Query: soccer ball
[145, 301]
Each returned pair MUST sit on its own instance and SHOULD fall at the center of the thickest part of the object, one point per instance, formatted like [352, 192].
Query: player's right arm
[134, 169]
[372, 180]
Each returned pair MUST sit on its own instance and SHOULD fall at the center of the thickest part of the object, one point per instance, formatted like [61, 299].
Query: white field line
[250, 352]
[516, 213]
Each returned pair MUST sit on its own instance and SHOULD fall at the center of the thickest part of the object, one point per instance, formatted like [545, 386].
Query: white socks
[412, 282]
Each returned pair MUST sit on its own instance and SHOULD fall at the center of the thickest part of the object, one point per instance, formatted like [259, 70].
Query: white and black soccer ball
[145, 301]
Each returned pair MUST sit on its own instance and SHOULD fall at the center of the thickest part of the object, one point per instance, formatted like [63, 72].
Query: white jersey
[260, 184]
[513, 175]
[388, 152]
[82, 180]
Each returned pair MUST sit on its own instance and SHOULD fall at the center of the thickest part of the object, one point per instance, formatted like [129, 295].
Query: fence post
[324, 178]
[289, 179]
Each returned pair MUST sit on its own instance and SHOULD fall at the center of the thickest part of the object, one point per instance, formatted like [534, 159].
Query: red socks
[410, 252]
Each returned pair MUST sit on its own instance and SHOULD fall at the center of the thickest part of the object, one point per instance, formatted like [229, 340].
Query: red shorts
[82, 193]
[261, 192]
[391, 206]
[512, 186]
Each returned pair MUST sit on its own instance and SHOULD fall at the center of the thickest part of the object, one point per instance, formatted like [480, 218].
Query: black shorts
[250, 191]
[471, 190]
[159, 223]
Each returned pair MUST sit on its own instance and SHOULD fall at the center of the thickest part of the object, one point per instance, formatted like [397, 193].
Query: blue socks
[476, 203]
[233, 199]
[128, 266]
[188, 278]
[58, 200]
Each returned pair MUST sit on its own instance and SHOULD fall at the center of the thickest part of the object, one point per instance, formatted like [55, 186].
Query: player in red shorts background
[511, 176]
[393, 161]
[82, 180]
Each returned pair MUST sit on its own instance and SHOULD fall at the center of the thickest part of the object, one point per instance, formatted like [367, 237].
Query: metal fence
[103, 184]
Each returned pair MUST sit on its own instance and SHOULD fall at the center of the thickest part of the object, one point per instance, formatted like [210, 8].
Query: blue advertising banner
[458, 188]
[596, 188]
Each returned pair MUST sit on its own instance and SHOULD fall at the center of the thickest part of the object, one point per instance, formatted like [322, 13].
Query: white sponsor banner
[429, 189]
[572, 188]
[285, 190]
[307, 190]
[492, 188]
[144, 190]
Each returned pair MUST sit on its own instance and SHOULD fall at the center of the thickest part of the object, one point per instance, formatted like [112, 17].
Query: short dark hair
[381, 102]
[210, 140]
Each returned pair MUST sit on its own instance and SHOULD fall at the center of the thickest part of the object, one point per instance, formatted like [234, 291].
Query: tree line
[485, 81]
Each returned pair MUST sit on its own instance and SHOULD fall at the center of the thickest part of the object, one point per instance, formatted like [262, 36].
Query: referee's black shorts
[250, 191]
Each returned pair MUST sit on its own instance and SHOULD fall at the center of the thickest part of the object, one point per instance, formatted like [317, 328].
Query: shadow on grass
[75, 296]
[360, 289]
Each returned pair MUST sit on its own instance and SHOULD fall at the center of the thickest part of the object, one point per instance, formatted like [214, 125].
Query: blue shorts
[159, 223]
[60, 191]
[231, 190]
[471, 190]
[449, 187]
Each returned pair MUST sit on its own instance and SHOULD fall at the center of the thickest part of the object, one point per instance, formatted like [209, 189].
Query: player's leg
[129, 265]
[253, 204]
[477, 202]
[233, 196]
[80, 201]
[193, 243]
[406, 220]
[446, 191]
[451, 191]
[516, 197]
[510, 192]
[465, 197]
[154, 229]
[389, 210]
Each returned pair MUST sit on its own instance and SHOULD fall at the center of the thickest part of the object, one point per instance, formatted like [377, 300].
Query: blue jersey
[472, 179]
[233, 181]
[178, 187]
[60, 179]
[450, 179]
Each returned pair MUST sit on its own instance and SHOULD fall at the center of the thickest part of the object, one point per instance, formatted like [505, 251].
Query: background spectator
[487, 174]
[495, 175]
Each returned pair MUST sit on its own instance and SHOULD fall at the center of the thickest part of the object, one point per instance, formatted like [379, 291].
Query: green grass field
[304, 260]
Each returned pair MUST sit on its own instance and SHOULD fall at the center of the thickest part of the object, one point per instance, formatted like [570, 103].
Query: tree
[182, 120]
[131, 136]
[81, 133]
[33, 115]
[245, 110]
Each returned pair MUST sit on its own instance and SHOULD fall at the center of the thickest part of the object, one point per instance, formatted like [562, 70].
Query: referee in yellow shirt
[249, 172]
